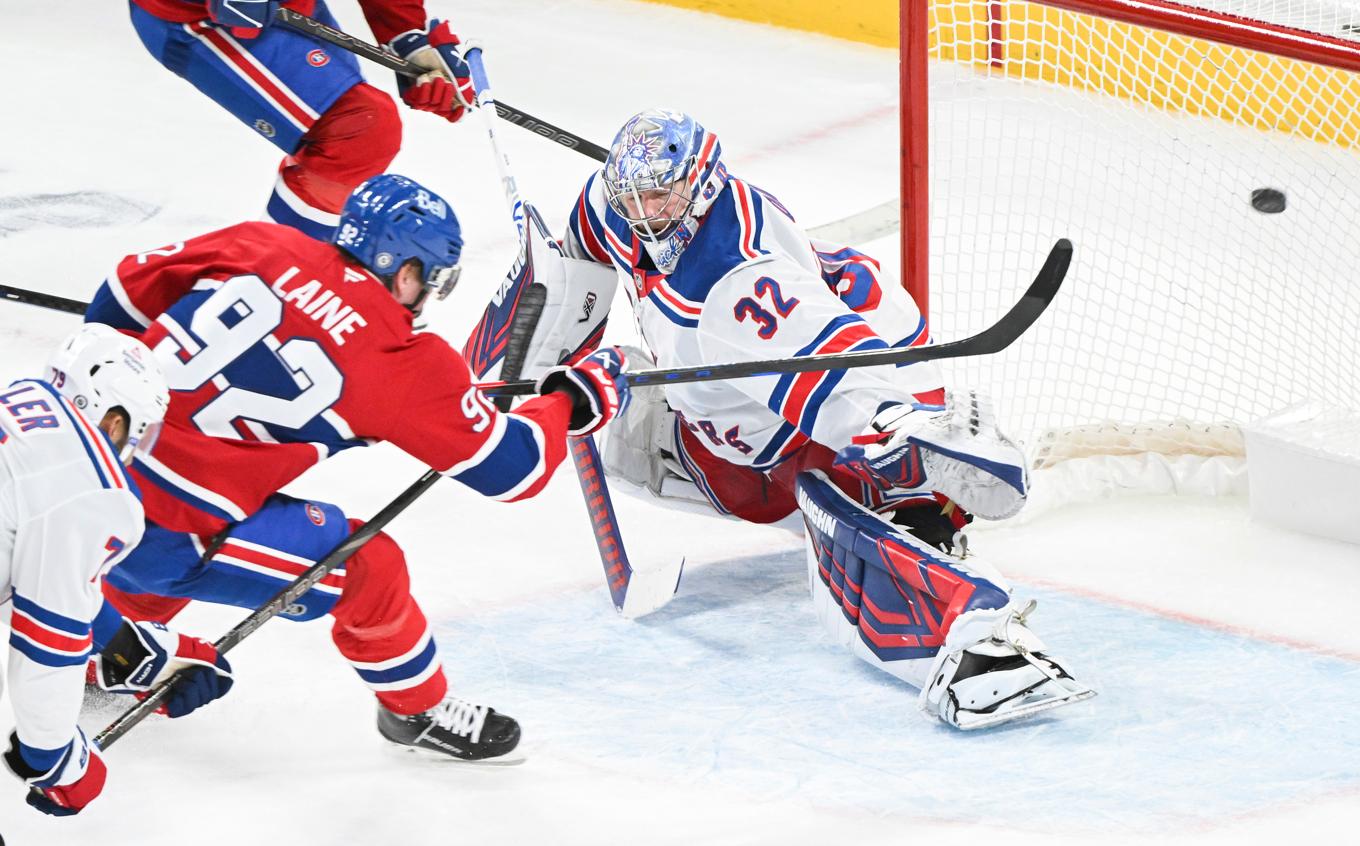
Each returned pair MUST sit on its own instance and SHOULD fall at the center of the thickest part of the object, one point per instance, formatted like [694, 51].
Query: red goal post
[1140, 129]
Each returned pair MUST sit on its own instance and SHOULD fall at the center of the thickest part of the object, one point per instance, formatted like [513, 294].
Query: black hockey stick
[316, 29]
[281, 600]
[52, 301]
[993, 339]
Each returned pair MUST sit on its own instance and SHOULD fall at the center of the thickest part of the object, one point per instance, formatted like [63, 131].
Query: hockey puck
[1268, 200]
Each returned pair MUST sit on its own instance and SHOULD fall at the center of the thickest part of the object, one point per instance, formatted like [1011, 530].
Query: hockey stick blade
[993, 339]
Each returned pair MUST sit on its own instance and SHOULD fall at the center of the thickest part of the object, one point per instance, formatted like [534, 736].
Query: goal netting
[1190, 309]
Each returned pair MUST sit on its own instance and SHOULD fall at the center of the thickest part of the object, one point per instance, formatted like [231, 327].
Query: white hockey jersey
[68, 513]
[750, 286]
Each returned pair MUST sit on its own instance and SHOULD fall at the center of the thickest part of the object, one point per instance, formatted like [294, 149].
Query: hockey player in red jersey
[308, 98]
[69, 513]
[883, 463]
[279, 351]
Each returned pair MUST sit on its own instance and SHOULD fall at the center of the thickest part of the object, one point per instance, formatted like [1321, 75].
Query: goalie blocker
[927, 617]
[575, 297]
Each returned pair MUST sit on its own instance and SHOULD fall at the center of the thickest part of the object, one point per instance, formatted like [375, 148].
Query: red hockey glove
[141, 655]
[73, 781]
[597, 392]
[447, 88]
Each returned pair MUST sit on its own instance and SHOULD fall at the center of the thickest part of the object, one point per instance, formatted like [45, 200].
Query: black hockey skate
[455, 728]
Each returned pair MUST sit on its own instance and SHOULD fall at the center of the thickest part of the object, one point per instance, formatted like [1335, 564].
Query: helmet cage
[662, 172]
[631, 198]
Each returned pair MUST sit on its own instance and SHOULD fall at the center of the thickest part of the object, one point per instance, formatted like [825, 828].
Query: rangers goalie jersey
[752, 286]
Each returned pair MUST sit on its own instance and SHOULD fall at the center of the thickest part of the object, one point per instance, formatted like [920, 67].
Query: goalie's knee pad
[886, 595]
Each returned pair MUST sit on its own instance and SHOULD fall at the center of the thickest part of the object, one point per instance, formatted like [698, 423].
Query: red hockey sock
[357, 137]
[382, 632]
[144, 606]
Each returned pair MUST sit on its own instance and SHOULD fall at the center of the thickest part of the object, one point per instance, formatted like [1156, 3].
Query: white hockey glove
[956, 450]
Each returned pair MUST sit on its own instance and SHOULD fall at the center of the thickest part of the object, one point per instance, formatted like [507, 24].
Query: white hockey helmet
[99, 369]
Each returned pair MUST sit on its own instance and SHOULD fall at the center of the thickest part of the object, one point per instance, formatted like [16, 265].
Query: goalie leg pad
[935, 621]
[888, 596]
[548, 310]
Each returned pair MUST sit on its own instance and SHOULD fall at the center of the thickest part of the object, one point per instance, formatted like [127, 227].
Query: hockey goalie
[884, 464]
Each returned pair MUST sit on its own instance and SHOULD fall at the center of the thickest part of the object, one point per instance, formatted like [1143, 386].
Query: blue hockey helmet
[663, 172]
[390, 220]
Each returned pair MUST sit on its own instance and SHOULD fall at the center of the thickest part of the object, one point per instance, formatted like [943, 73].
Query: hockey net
[1188, 312]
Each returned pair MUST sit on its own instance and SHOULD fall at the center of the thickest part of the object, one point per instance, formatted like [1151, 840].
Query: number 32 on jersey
[753, 308]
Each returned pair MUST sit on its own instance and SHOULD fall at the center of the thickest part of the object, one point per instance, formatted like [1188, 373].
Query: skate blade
[513, 758]
[969, 721]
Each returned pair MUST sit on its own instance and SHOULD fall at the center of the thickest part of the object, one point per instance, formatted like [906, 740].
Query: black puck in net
[1268, 200]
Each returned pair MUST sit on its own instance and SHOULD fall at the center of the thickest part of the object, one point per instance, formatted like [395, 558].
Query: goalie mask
[99, 369]
[662, 173]
[390, 220]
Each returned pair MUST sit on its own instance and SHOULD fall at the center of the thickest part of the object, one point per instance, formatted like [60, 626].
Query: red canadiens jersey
[279, 351]
[387, 18]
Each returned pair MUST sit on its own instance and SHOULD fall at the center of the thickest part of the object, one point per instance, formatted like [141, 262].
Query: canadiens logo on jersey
[316, 515]
[318, 58]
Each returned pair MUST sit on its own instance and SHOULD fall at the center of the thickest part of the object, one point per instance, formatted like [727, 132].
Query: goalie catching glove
[446, 88]
[955, 449]
[142, 655]
[597, 393]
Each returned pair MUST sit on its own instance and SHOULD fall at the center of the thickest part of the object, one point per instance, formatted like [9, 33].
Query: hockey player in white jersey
[68, 513]
[885, 464]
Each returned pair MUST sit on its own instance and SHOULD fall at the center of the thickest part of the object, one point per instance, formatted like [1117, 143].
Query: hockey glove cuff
[68, 785]
[597, 392]
[142, 655]
[447, 88]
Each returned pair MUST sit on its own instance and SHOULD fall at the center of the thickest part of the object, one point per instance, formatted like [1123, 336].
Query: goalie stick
[299, 22]
[634, 591]
[993, 339]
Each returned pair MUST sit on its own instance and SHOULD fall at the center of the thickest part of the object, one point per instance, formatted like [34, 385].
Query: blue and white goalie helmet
[662, 173]
[390, 219]
[99, 369]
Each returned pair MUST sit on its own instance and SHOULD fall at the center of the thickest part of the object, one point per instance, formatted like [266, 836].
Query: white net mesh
[1187, 312]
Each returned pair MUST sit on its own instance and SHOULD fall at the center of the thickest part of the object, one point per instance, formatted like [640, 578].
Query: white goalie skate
[992, 669]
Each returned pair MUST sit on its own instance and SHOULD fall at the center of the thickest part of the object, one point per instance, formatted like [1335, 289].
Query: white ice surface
[1226, 654]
